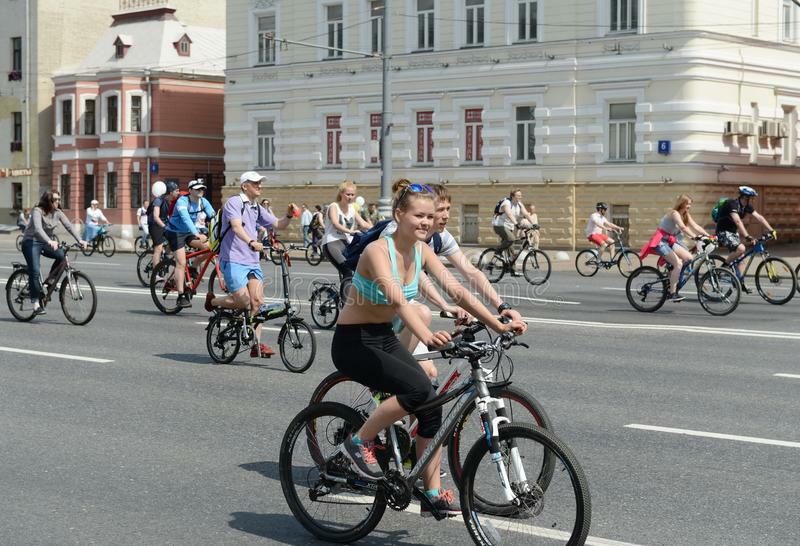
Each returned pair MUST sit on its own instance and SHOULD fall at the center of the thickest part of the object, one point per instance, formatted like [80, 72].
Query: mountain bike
[142, 244]
[589, 261]
[536, 267]
[144, 264]
[718, 289]
[162, 279]
[77, 294]
[508, 493]
[775, 280]
[326, 302]
[313, 252]
[102, 242]
[514, 403]
[228, 330]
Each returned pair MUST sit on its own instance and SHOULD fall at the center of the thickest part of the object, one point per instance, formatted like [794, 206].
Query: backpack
[315, 223]
[717, 207]
[498, 208]
[360, 241]
[182, 193]
[215, 226]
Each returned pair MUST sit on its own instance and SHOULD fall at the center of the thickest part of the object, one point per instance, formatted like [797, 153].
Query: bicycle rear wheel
[222, 337]
[274, 255]
[140, 246]
[108, 246]
[556, 512]
[215, 283]
[719, 291]
[536, 267]
[323, 493]
[313, 254]
[587, 263]
[144, 266]
[492, 264]
[325, 307]
[297, 345]
[629, 262]
[163, 289]
[90, 247]
[78, 298]
[18, 296]
[775, 281]
[646, 289]
[19, 243]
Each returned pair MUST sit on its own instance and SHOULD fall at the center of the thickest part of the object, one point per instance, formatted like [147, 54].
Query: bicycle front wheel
[719, 291]
[325, 307]
[628, 262]
[140, 246]
[797, 275]
[89, 250]
[163, 289]
[297, 345]
[559, 511]
[144, 266]
[587, 263]
[492, 264]
[323, 493]
[646, 289]
[18, 296]
[78, 298]
[19, 243]
[108, 246]
[222, 337]
[274, 255]
[701, 268]
[520, 407]
[775, 281]
[536, 267]
[313, 254]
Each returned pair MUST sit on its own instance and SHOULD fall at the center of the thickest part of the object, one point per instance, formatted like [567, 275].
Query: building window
[16, 54]
[111, 190]
[787, 27]
[17, 134]
[376, 22]
[526, 140]
[335, 31]
[470, 224]
[473, 139]
[89, 117]
[474, 22]
[621, 132]
[119, 51]
[66, 117]
[425, 19]
[112, 114]
[375, 137]
[425, 137]
[526, 20]
[183, 48]
[266, 144]
[624, 15]
[266, 39]
[136, 113]
[136, 190]
[333, 130]
[88, 190]
[619, 215]
[64, 189]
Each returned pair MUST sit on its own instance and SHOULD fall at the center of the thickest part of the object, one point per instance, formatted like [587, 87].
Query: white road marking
[55, 355]
[543, 300]
[789, 375]
[702, 330]
[716, 435]
[693, 292]
[276, 328]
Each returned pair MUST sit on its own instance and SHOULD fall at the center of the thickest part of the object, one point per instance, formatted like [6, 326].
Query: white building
[626, 101]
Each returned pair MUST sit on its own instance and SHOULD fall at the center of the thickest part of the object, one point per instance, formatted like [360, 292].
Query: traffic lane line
[55, 355]
[715, 435]
[276, 328]
[787, 375]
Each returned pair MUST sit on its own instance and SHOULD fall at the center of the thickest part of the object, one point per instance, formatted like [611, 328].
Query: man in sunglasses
[242, 216]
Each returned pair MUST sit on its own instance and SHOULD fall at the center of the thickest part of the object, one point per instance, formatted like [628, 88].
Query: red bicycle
[162, 280]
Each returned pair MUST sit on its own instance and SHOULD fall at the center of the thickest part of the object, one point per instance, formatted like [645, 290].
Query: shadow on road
[284, 528]
[183, 357]
[148, 312]
[268, 469]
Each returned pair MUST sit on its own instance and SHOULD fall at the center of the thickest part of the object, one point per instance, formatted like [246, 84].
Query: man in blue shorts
[239, 251]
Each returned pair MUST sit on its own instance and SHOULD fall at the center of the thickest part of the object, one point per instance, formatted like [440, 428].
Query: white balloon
[360, 201]
[159, 188]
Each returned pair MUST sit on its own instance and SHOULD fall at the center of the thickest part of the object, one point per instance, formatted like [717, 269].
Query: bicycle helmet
[171, 186]
[601, 206]
[747, 191]
[159, 188]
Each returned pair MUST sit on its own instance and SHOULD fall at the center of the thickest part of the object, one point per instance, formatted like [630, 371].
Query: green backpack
[715, 209]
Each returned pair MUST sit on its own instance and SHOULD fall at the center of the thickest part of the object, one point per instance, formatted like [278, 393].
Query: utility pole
[385, 201]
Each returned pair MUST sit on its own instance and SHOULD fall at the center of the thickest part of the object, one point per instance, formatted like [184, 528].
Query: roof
[153, 47]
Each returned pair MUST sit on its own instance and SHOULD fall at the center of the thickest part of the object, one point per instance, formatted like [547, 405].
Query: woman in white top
[341, 223]
[141, 214]
[511, 212]
[94, 219]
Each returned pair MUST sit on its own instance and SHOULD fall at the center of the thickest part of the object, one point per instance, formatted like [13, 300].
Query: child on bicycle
[366, 348]
[596, 228]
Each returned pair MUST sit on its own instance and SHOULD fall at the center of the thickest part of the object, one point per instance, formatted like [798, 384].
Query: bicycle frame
[193, 283]
[759, 249]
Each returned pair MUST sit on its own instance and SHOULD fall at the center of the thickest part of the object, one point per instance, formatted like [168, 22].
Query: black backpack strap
[222, 219]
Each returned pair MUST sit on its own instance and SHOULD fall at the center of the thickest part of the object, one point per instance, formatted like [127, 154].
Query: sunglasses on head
[415, 188]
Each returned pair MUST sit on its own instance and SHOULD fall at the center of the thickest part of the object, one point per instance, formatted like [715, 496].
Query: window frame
[477, 25]
[789, 23]
[375, 126]
[85, 99]
[630, 19]
[259, 145]
[529, 127]
[16, 129]
[630, 126]
[473, 136]
[428, 142]
[104, 117]
[536, 18]
[333, 137]
[260, 36]
[107, 193]
[16, 54]
[429, 15]
[131, 114]
[376, 26]
[59, 122]
[335, 34]
[136, 194]
[64, 187]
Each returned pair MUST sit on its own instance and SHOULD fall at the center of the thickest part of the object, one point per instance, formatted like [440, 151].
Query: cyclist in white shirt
[512, 210]
[94, 219]
[596, 228]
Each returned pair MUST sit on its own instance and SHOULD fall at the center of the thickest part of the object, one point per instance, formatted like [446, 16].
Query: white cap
[251, 176]
[196, 184]
[94, 202]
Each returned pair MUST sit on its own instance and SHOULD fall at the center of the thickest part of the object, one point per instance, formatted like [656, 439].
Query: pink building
[145, 105]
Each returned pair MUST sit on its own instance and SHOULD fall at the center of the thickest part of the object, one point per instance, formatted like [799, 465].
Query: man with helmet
[157, 214]
[730, 225]
[596, 227]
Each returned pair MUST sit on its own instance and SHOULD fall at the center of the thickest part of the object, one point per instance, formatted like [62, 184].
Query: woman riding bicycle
[94, 219]
[366, 349]
[667, 241]
[39, 238]
[340, 226]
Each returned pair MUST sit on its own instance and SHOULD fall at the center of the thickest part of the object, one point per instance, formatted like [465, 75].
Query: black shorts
[179, 240]
[157, 234]
[729, 240]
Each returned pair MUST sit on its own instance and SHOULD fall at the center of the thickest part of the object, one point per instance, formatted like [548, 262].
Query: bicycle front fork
[491, 430]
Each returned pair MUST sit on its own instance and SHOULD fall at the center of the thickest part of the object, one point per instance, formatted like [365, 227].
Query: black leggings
[334, 251]
[372, 355]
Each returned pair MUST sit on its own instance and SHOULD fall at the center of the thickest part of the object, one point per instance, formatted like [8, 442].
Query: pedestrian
[317, 224]
[23, 218]
[372, 214]
[141, 217]
[305, 222]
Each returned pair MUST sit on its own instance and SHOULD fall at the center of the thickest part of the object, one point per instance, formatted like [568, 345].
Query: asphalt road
[685, 432]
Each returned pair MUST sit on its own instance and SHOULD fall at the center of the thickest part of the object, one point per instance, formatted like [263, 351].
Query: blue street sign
[665, 147]
[154, 168]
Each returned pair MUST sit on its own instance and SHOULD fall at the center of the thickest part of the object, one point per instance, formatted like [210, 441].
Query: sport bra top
[370, 290]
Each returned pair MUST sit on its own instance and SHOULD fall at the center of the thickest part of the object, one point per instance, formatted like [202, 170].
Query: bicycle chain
[398, 493]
